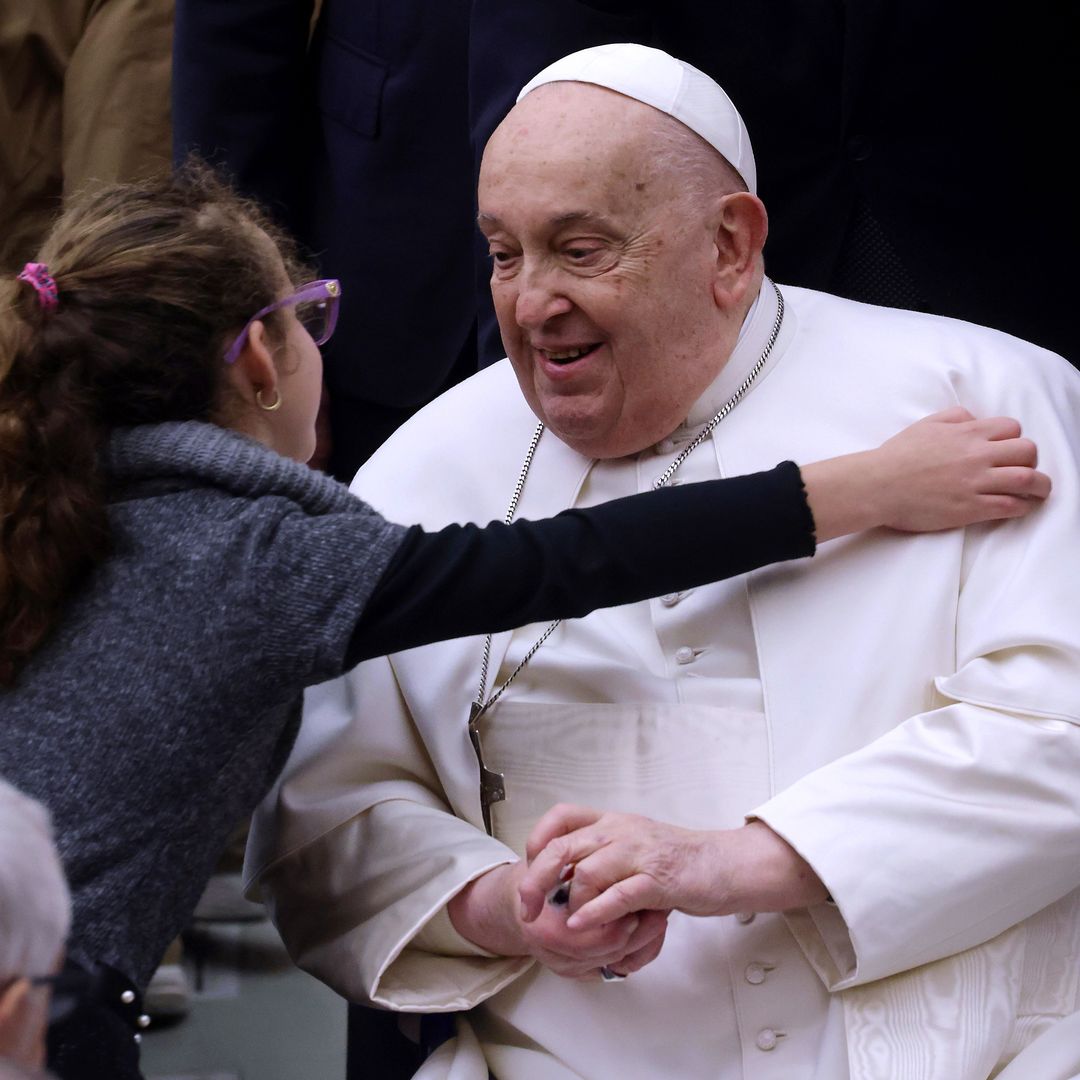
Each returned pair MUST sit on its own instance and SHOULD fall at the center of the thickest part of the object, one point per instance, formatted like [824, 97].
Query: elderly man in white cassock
[838, 802]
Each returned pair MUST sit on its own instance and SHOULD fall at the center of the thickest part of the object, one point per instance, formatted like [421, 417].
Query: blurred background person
[10, 1070]
[35, 913]
[84, 95]
[350, 122]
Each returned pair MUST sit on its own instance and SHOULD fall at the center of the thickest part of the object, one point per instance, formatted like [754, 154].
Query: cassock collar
[753, 337]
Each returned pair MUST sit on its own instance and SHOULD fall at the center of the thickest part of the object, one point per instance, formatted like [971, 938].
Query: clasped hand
[625, 864]
[489, 913]
[629, 873]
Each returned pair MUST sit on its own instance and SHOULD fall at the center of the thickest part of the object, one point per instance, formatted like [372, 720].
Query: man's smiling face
[601, 277]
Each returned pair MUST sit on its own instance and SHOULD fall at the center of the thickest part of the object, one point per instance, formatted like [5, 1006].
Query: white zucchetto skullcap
[672, 86]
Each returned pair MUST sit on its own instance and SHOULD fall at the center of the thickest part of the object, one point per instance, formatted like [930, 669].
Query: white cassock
[904, 710]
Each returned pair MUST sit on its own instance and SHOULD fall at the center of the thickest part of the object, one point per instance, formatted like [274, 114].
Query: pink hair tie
[38, 275]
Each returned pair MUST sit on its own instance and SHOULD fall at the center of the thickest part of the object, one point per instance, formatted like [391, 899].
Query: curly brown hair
[153, 281]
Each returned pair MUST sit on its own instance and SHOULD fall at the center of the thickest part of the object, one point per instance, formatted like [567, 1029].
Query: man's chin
[592, 439]
[592, 422]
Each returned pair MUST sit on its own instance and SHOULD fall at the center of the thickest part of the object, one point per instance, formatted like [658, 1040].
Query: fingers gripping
[560, 820]
[552, 867]
[636, 893]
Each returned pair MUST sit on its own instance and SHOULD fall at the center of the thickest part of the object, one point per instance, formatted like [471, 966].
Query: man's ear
[742, 225]
[254, 370]
[22, 1024]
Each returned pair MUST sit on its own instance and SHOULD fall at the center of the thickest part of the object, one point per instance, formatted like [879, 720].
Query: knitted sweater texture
[165, 703]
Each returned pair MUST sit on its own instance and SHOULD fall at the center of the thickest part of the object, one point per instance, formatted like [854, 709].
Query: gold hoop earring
[262, 404]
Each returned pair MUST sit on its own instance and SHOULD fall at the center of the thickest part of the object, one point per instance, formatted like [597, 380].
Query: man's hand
[488, 912]
[624, 863]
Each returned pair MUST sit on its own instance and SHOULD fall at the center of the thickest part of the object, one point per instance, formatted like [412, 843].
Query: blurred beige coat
[84, 95]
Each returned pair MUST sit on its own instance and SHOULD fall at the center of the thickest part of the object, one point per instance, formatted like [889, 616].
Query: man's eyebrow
[580, 217]
[573, 217]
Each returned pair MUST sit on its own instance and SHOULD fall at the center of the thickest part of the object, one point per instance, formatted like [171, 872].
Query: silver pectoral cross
[492, 784]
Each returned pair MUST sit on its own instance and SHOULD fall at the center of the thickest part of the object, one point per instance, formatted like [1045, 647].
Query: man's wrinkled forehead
[572, 121]
[570, 151]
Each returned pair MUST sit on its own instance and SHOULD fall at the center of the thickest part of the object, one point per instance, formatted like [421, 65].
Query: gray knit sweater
[166, 702]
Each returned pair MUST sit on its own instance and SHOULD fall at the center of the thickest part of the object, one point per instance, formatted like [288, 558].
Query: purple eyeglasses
[316, 306]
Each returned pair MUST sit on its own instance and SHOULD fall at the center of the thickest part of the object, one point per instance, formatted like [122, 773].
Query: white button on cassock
[744, 917]
[684, 655]
[766, 1039]
[755, 974]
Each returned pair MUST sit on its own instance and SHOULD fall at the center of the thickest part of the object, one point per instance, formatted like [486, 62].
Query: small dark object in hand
[560, 895]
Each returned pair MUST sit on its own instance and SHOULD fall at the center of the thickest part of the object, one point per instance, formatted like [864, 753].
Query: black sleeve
[467, 580]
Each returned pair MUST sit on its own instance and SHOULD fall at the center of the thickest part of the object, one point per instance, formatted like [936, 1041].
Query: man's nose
[539, 299]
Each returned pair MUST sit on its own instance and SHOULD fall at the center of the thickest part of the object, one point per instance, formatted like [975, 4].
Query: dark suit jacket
[909, 151]
[361, 145]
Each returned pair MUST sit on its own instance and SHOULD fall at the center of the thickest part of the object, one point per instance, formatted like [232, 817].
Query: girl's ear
[254, 370]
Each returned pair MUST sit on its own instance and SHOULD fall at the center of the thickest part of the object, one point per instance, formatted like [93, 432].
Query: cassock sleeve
[358, 852]
[964, 820]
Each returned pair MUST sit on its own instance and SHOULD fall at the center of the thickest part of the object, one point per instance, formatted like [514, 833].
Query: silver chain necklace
[492, 784]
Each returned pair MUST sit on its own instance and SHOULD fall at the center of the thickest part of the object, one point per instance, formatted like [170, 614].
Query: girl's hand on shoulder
[950, 469]
[942, 472]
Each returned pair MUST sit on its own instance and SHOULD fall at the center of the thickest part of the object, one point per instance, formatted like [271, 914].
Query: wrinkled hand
[950, 469]
[624, 863]
[489, 913]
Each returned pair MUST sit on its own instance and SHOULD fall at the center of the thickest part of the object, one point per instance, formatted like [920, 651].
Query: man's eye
[581, 254]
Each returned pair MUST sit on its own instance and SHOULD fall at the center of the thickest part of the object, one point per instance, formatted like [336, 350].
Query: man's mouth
[568, 355]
